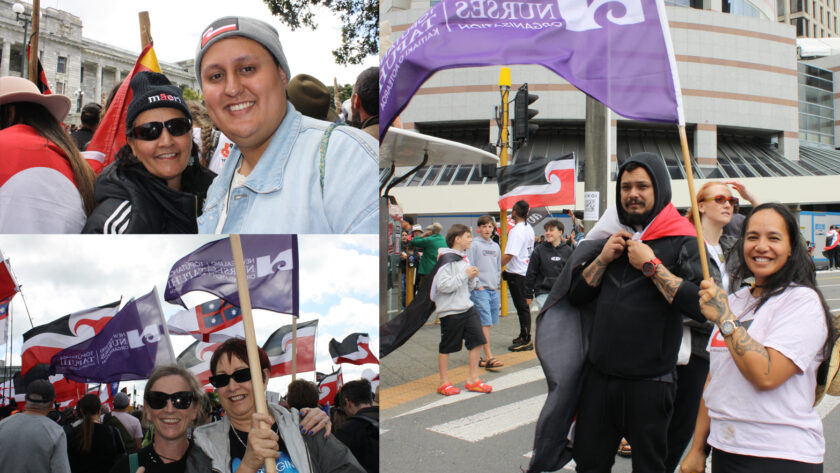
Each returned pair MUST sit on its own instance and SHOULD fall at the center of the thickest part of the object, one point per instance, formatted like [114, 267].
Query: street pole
[597, 152]
[22, 17]
[33, 43]
[504, 86]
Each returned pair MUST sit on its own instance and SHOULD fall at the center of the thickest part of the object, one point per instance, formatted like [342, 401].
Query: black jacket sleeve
[108, 217]
[580, 292]
[688, 267]
[533, 271]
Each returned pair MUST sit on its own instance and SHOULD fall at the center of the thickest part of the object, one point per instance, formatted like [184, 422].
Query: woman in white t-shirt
[757, 410]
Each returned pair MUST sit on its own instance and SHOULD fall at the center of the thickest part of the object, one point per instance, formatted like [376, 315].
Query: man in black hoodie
[644, 279]
[546, 262]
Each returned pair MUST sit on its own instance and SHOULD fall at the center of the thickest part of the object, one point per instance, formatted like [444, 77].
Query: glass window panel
[417, 178]
[446, 175]
[462, 174]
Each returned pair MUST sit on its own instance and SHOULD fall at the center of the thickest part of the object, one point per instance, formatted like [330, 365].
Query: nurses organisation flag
[618, 51]
[271, 267]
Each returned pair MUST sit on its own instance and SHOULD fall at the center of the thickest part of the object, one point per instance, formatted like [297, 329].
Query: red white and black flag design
[329, 385]
[196, 358]
[540, 182]
[42, 84]
[278, 347]
[213, 321]
[354, 349]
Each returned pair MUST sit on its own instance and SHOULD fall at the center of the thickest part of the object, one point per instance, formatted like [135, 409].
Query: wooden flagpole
[695, 213]
[294, 348]
[145, 29]
[33, 42]
[250, 337]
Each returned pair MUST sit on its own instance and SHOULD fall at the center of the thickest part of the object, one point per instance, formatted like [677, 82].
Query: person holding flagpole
[239, 443]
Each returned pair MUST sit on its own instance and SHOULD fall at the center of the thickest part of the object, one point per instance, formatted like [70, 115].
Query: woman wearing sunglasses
[238, 442]
[716, 206]
[156, 184]
[171, 405]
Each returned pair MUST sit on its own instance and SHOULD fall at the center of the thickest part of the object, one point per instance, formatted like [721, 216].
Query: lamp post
[26, 19]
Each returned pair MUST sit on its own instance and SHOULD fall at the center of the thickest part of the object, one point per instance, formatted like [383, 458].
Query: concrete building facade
[80, 68]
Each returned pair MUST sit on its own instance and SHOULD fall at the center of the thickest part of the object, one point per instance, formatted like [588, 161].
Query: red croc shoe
[479, 387]
[448, 390]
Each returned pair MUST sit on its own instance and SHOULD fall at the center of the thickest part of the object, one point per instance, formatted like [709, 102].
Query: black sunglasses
[180, 400]
[722, 199]
[152, 130]
[222, 380]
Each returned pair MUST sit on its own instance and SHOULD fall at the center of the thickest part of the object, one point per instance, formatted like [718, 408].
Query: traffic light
[522, 114]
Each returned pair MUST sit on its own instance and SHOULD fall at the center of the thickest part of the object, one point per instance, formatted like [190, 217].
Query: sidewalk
[411, 371]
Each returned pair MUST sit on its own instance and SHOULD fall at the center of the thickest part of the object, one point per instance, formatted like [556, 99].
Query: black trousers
[516, 283]
[690, 381]
[732, 463]
[834, 257]
[612, 407]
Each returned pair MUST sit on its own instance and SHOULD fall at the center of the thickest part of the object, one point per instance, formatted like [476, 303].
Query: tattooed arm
[613, 248]
[764, 367]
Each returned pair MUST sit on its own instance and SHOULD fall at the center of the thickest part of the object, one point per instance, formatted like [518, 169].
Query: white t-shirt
[779, 423]
[520, 244]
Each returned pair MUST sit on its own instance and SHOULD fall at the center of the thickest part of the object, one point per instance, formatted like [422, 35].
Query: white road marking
[512, 380]
[494, 421]
[827, 405]
[569, 466]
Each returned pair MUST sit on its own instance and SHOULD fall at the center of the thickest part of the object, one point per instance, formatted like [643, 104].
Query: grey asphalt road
[423, 431]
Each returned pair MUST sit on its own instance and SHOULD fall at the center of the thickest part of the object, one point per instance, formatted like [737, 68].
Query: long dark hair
[88, 407]
[799, 268]
[36, 116]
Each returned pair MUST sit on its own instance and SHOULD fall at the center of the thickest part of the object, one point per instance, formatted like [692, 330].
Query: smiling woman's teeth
[170, 421]
[240, 106]
[237, 398]
[167, 155]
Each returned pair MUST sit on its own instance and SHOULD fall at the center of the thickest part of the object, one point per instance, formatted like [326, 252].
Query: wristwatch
[649, 267]
[729, 326]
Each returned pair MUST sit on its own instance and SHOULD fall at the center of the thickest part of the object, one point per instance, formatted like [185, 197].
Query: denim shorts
[486, 302]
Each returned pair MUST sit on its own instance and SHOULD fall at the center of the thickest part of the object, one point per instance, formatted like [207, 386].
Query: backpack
[128, 443]
[827, 380]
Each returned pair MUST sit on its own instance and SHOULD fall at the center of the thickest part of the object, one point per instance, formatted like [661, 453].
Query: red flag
[354, 349]
[329, 385]
[278, 347]
[42, 84]
[110, 136]
[196, 358]
[540, 182]
[8, 286]
[213, 321]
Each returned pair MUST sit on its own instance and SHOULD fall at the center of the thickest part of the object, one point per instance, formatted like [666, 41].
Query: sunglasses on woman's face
[180, 400]
[222, 380]
[722, 199]
[152, 130]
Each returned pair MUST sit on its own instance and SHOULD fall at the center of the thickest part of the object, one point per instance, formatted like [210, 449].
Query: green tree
[344, 93]
[190, 94]
[359, 32]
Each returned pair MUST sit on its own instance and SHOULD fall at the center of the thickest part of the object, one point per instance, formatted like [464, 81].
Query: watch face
[648, 269]
[727, 328]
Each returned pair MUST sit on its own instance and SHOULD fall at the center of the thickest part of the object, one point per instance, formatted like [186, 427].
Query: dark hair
[236, 347]
[367, 88]
[554, 223]
[358, 392]
[454, 232]
[302, 393]
[209, 136]
[520, 209]
[88, 408]
[36, 116]
[485, 219]
[409, 219]
[90, 114]
[798, 269]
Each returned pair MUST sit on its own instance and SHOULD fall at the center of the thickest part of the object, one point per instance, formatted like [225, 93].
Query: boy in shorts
[486, 255]
[459, 321]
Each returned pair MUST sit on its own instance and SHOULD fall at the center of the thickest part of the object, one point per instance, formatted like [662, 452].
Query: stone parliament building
[80, 68]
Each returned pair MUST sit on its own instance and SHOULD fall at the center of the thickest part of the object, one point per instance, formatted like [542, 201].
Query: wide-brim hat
[311, 97]
[17, 89]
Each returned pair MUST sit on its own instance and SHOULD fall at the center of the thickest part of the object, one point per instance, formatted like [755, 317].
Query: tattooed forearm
[667, 283]
[741, 343]
[720, 306]
[594, 272]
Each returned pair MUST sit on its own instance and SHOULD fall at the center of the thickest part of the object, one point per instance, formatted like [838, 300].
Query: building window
[816, 105]
[61, 66]
[795, 7]
[59, 87]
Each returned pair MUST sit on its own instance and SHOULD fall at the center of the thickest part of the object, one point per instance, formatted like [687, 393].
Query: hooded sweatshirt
[546, 263]
[451, 286]
[636, 333]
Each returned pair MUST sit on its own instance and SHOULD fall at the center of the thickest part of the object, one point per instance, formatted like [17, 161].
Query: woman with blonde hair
[45, 184]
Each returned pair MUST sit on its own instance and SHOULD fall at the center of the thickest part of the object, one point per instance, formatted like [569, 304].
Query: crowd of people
[187, 430]
[264, 153]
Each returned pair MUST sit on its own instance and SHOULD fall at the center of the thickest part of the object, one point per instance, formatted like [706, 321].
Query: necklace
[166, 458]
[244, 444]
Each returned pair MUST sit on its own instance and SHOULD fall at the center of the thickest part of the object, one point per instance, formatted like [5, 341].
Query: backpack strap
[133, 464]
[324, 142]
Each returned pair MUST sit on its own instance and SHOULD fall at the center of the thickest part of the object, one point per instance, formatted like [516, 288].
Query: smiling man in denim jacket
[287, 173]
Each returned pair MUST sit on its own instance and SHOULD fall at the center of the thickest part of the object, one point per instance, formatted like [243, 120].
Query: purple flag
[271, 266]
[129, 347]
[617, 51]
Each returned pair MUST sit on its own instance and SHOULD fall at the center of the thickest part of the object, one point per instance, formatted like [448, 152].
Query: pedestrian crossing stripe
[493, 422]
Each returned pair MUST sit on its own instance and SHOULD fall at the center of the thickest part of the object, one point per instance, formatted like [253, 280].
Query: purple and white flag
[129, 347]
[617, 51]
[271, 267]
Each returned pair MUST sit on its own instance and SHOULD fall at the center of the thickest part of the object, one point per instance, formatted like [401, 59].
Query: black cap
[152, 90]
[40, 390]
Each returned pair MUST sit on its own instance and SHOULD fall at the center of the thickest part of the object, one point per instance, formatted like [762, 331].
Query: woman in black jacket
[92, 447]
[156, 184]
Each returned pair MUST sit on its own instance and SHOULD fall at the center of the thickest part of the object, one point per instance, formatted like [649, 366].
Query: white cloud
[176, 27]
